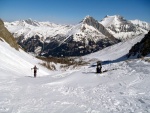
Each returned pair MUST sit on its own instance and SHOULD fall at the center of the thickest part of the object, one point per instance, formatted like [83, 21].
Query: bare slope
[7, 36]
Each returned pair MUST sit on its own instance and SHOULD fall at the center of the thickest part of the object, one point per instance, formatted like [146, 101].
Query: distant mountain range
[90, 35]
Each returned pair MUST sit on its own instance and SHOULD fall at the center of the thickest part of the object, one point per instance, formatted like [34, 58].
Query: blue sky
[73, 11]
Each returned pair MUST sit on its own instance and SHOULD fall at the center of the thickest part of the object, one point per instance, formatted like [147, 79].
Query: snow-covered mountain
[141, 24]
[46, 38]
[29, 28]
[124, 29]
[49, 39]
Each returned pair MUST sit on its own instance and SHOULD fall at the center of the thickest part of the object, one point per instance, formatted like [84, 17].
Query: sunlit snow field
[124, 88]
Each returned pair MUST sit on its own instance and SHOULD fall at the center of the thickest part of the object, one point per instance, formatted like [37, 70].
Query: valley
[66, 58]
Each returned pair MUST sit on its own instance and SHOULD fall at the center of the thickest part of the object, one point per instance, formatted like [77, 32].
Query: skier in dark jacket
[99, 67]
[35, 70]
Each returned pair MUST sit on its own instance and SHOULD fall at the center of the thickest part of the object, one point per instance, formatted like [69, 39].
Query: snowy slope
[17, 63]
[116, 51]
[124, 29]
[124, 88]
[108, 20]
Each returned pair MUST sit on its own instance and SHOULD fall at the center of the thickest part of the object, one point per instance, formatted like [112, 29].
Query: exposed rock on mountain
[141, 48]
[92, 22]
[7, 36]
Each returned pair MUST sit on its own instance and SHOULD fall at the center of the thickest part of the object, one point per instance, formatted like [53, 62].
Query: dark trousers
[34, 73]
[98, 70]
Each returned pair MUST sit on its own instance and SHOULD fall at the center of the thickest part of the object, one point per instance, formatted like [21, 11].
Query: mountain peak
[88, 16]
[113, 20]
[29, 19]
[30, 22]
[89, 20]
[123, 29]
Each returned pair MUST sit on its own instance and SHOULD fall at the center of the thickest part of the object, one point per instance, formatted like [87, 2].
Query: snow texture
[123, 88]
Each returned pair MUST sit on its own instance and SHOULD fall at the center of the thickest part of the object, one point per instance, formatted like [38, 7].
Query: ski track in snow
[112, 92]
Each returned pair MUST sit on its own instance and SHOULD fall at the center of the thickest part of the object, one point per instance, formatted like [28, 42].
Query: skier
[35, 70]
[99, 67]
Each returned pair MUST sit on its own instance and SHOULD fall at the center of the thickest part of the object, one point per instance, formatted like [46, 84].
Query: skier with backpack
[99, 67]
[35, 70]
